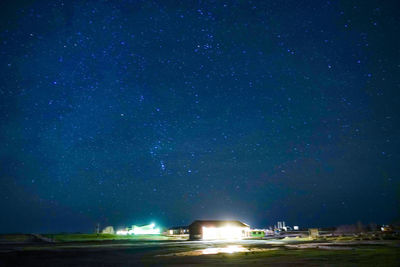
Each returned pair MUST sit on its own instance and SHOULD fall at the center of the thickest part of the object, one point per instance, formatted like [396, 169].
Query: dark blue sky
[126, 112]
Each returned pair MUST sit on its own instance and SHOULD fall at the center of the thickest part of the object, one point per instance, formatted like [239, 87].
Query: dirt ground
[199, 253]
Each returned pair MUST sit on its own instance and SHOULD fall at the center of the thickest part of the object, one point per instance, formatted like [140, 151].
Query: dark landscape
[173, 253]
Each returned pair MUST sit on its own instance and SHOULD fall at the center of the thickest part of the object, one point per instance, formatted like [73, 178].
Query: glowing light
[227, 232]
[228, 249]
[122, 232]
[141, 230]
[145, 231]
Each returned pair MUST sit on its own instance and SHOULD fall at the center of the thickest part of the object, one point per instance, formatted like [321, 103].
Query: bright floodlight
[227, 232]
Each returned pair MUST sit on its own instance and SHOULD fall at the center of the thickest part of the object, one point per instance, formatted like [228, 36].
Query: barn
[218, 229]
[178, 230]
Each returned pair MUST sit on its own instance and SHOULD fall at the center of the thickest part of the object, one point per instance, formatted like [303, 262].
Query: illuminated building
[178, 230]
[218, 229]
[108, 230]
[140, 230]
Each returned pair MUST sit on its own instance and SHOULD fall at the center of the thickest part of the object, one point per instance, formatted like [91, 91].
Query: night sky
[131, 112]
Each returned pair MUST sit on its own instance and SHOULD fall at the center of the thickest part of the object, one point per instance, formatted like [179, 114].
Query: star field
[126, 112]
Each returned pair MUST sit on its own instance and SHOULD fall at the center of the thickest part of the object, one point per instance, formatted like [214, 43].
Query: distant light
[145, 230]
[141, 230]
[122, 232]
[155, 231]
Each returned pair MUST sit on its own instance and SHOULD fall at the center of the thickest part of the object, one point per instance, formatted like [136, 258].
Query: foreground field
[173, 253]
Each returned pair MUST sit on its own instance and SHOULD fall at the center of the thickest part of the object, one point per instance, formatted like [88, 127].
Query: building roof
[218, 223]
[178, 227]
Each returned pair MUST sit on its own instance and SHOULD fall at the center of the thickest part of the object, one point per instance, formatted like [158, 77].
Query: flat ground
[298, 252]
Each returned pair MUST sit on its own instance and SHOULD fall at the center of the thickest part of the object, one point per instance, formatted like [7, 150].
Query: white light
[122, 232]
[228, 249]
[227, 232]
[145, 230]
[210, 251]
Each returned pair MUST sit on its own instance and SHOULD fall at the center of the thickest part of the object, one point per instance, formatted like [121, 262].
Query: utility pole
[97, 231]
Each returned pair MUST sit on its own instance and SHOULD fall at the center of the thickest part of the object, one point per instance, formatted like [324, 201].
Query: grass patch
[102, 237]
[371, 256]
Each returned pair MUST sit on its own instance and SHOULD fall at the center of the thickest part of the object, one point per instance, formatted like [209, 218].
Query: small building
[269, 232]
[140, 230]
[313, 232]
[178, 230]
[218, 229]
[257, 233]
[108, 230]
